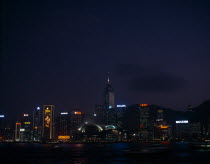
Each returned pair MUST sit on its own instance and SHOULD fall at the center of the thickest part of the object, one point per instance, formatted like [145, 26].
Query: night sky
[59, 52]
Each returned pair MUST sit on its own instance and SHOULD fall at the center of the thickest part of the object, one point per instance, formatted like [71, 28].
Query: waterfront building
[121, 116]
[64, 126]
[48, 122]
[17, 131]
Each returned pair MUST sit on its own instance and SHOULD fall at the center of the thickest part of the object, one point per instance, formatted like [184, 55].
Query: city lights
[144, 105]
[64, 113]
[77, 112]
[121, 106]
[182, 122]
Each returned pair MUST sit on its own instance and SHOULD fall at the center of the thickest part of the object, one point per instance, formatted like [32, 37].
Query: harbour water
[113, 153]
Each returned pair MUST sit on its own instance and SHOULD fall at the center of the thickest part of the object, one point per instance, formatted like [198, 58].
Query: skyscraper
[37, 124]
[64, 124]
[26, 126]
[109, 104]
[145, 122]
[120, 113]
[48, 121]
[17, 131]
[109, 98]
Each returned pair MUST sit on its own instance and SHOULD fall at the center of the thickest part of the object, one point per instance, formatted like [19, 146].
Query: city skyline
[156, 51]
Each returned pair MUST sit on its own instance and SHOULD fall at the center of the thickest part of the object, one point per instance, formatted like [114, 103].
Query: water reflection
[99, 153]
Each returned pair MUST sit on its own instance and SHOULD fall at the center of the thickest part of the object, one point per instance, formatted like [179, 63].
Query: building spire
[108, 81]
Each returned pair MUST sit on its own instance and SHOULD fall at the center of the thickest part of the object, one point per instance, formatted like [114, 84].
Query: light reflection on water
[95, 153]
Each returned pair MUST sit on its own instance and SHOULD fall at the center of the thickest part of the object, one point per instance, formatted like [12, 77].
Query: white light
[25, 115]
[64, 113]
[95, 115]
[182, 122]
[110, 107]
[121, 105]
[38, 108]
[22, 130]
[1, 116]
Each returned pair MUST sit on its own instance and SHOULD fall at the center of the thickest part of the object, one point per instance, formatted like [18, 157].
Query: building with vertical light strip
[17, 131]
[48, 122]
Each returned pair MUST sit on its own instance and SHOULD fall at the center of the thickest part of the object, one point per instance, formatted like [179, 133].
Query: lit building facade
[48, 122]
[26, 128]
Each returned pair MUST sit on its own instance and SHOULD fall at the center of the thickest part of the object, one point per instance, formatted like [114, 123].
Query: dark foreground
[115, 153]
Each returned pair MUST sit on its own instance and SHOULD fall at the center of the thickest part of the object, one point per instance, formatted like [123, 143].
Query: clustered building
[109, 122]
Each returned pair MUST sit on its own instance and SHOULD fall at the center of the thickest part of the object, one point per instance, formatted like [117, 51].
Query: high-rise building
[17, 131]
[26, 128]
[109, 104]
[109, 98]
[111, 117]
[63, 128]
[77, 119]
[121, 116]
[37, 124]
[146, 122]
[48, 122]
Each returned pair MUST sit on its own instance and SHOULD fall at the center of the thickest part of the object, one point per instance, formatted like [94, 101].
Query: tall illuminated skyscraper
[48, 121]
[109, 98]
[109, 104]
[37, 124]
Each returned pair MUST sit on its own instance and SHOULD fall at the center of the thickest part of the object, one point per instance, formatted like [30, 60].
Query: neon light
[182, 122]
[121, 106]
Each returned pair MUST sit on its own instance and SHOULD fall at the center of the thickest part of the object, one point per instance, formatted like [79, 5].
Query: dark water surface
[23, 153]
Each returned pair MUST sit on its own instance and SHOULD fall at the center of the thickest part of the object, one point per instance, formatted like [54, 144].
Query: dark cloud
[157, 83]
[149, 78]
